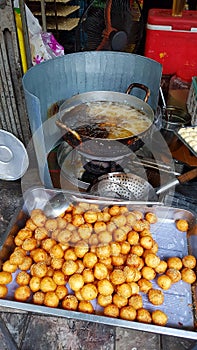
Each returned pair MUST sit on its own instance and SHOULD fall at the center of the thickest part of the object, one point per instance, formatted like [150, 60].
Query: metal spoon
[56, 205]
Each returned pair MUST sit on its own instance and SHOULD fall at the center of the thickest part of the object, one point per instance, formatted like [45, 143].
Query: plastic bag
[44, 46]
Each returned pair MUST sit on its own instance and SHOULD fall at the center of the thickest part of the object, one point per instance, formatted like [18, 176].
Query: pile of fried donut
[91, 253]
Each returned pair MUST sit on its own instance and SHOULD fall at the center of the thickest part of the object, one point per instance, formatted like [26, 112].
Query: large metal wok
[72, 114]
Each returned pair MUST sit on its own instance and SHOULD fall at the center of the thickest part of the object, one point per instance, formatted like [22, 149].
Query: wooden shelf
[62, 11]
[63, 23]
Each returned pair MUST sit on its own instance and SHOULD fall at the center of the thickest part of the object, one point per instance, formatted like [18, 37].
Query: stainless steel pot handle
[139, 86]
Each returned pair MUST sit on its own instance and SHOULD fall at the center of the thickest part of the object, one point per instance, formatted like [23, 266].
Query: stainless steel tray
[180, 300]
[184, 141]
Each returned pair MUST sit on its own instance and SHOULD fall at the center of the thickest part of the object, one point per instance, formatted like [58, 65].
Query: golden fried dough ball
[78, 295]
[85, 230]
[51, 225]
[29, 244]
[64, 236]
[85, 306]
[24, 233]
[133, 237]
[131, 274]
[138, 214]
[189, 261]
[70, 254]
[56, 263]
[50, 271]
[145, 232]
[103, 251]
[115, 248]
[75, 238]
[119, 235]
[90, 259]
[131, 219]
[93, 240]
[59, 278]
[136, 301]
[56, 251]
[39, 269]
[159, 318]
[8, 267]
[22, 293]
[88, 275]
[51, 299]
[182, 225]
[100, 271]
[124, 290]
[29, 224]
[174, 275]
[76, 282]
[17, 257]
[119, 300]
[148, 273]
[40, 233]
[48, 243]
[3, 291]
[152, 260]
[111, 310]
[89, 291]
[107, 262]
[61, 292]
[81, 249]
[103, 216]
[69, 267]
[100, 226]
[38, 254]
[5, 277]
[174, 263]
[162, 267]
[134, 288]
[143, 316]
[144, 285]
[146, 242]
[118, 260]
[104, 300]
[105, 237]
[119, 220]
[90, 216]
[34, 284]
[164, 282]
[23, 278]
[125, 247]
[114, 210]
[141, 225]
[38, 217]
[117, 276]
[70, 302]
[111, 226]
[81, 266]
[155, 296]
[188, 275]
[151, 217]
[155, 247]
[78, 220]
[128, 313]
[137, 249]
[105, 287]
[134, 261]
[61, 222]
[18, 242]
[38, 298]
[47, 284]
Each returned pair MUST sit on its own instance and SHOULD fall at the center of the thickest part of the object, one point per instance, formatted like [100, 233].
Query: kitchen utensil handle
[188, 176]
[65, 127]
[139, 86]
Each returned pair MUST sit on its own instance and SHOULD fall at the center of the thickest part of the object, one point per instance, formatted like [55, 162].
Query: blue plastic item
[60, 78]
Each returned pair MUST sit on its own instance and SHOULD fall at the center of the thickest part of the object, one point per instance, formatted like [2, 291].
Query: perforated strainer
[133, 187]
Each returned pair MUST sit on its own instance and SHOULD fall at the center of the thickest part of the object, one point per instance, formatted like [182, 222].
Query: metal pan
[73, 114]
[131, 186]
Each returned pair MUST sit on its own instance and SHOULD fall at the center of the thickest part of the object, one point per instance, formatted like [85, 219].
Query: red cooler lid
[164, 17]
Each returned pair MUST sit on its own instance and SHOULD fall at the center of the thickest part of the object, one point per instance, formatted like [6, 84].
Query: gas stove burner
[82, 172]
[94, 169]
